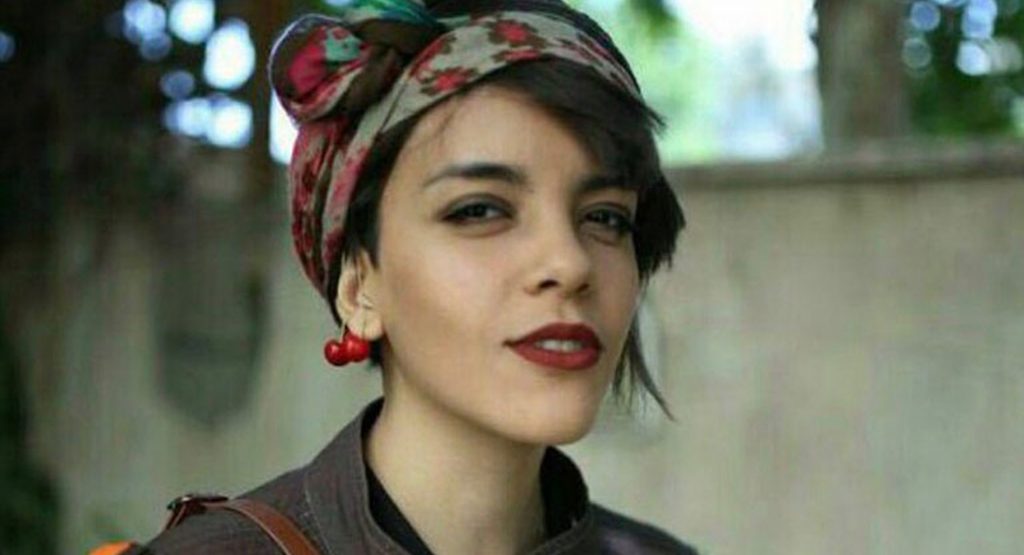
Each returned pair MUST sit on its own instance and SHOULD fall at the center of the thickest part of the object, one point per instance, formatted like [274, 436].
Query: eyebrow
[515, 176]
[481, 171]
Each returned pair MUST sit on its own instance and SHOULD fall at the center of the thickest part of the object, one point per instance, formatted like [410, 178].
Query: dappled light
[230, 56]
[972, 59]
[230, 123]
[143, 19]
[177, 84]
[925, 16]
[145, 24]
[979, 20]
[192, 20]
[6, 47]
[964, 59]
[981, 50]
[282, 133]
[218, 119]
[917, 54]
[188, 117]
[200, 111]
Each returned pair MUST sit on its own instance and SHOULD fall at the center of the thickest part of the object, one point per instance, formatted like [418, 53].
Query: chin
[553, 420]
[568, 434]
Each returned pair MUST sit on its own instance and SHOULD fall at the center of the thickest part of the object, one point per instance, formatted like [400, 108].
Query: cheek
[620, 289]
[618, 276]
[441, 295]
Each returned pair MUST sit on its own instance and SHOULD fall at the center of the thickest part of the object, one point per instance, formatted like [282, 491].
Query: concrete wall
[842, 342]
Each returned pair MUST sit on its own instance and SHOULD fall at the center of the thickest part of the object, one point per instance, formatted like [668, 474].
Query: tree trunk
[860, 71]
[265, 19]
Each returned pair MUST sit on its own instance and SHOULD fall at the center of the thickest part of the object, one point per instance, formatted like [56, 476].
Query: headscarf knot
[325, 66]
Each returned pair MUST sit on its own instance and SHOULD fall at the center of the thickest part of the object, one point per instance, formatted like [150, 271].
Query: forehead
[494, 124]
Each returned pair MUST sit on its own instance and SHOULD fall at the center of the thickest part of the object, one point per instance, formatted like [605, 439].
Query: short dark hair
[615, 127]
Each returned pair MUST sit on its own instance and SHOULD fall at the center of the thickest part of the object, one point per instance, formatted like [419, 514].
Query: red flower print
[305, 138]
[323, 53]
[303, 190]
[447, 80]
[514, 33]
[307, 236]
[422, 61]
[308, 162]
[512, 56]
[346, 181]
[333, 242]
[332, 246]
[303, 238]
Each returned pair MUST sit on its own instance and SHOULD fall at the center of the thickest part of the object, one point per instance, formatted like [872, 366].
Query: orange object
[111, 548]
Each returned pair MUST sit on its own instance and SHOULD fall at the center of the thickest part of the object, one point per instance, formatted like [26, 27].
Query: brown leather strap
[190, 504]
[280, 528]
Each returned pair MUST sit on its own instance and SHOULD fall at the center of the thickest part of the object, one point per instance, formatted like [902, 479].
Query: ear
[356, 298]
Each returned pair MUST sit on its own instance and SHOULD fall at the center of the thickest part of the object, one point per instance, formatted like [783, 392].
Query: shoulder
[224, 531]
[621, 534]
[209, 533]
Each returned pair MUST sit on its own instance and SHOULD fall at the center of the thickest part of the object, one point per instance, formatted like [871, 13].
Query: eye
[614, 219]
[476, 210]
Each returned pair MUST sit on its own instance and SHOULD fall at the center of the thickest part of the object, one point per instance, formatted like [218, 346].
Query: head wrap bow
[347, 80]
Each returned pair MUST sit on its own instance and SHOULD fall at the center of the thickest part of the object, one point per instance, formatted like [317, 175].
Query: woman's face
[496, 222]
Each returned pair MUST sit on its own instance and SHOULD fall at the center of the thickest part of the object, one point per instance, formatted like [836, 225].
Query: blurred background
[841, 336]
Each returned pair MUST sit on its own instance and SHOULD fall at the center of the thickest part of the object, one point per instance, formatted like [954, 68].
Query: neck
[462, 489]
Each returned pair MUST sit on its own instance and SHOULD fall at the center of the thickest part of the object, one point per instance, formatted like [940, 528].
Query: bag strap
[279, 527]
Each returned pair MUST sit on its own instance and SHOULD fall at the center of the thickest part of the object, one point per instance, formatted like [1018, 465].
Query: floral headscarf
[346, 80]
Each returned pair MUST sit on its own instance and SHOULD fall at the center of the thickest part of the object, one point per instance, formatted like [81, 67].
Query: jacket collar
[336, 489]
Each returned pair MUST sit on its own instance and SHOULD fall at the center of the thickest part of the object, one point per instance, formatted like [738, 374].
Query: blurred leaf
[660, 20]
[947, 101]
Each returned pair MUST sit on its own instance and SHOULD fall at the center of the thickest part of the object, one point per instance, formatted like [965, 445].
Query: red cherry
[336, 353]
[356, 348]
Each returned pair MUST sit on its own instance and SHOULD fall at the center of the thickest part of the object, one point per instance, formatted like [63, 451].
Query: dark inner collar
[562, 489]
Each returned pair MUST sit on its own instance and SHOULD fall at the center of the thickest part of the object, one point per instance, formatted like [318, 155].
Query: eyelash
[623, 224]
[463, 215]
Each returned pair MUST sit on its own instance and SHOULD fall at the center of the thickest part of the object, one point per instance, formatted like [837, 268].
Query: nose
[562, 262]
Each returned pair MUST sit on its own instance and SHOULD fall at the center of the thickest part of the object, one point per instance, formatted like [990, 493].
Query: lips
[584, 351]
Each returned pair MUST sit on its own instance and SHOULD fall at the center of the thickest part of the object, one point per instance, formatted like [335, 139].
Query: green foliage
[654, 15]
[948, 101]
[671, 67]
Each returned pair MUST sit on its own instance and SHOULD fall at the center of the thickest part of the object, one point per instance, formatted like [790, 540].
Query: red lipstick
[583, 355]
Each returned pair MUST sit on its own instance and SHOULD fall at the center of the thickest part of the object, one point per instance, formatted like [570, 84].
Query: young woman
[476, 193]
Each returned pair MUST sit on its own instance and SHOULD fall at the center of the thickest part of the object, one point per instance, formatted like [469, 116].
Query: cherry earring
[351, 348]
[335, 353]
[357, 348]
